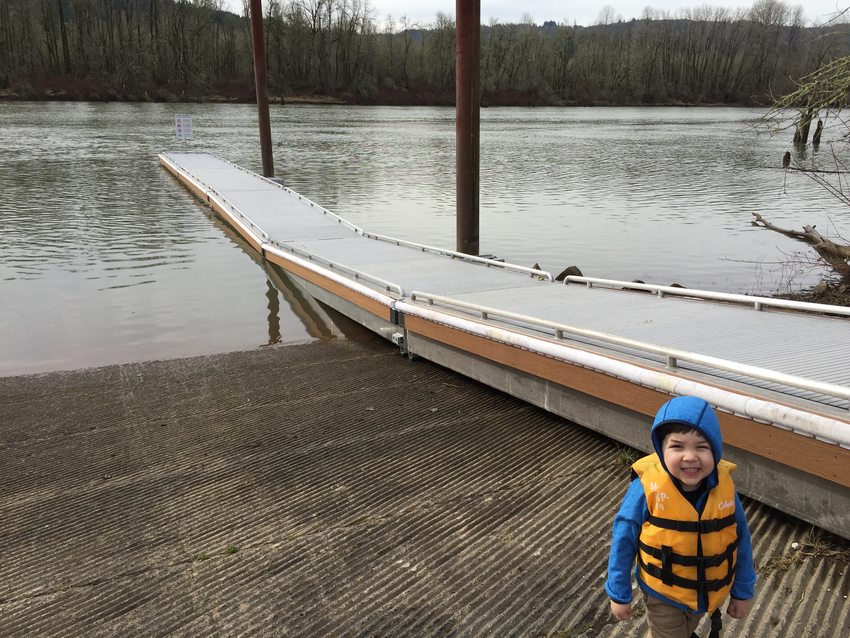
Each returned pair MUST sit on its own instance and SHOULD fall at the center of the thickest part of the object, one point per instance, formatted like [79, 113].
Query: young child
[682, 526]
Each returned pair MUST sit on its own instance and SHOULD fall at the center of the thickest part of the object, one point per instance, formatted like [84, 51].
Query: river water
[105, 259]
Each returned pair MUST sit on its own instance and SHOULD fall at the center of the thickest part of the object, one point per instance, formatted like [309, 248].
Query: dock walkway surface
[331, 489]
[798, 345]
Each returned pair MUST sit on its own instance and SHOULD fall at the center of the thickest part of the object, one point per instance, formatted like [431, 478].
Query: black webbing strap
[690, 561]
[716, 623]
[666, 563]
[716, 524]
[701, 527]
[667, 577]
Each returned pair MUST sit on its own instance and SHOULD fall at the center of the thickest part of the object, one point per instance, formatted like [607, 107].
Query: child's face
[688, 457]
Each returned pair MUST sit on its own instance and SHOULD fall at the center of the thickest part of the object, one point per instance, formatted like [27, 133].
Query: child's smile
[688, 457]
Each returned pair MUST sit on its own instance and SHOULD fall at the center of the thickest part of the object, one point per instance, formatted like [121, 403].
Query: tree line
[193, 49]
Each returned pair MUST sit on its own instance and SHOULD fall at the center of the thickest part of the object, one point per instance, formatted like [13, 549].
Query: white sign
[183, 126]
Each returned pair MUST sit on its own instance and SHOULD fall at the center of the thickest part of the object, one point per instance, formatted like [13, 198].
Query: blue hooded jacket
[696, 413]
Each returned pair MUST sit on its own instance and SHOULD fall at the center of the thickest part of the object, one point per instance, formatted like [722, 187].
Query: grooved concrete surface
[329, 489]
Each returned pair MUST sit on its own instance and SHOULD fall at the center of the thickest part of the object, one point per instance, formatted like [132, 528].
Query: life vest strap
[700, 527]
[667, 577]
[690, 561]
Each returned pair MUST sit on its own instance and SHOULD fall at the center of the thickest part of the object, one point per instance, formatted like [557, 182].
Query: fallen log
[812, 236]
[835, 254]
[815, 171]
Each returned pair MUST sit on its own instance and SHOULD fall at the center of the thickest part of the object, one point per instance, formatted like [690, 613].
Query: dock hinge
[396, 317]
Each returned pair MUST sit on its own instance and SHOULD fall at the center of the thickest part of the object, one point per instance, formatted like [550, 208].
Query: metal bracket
[398, 339]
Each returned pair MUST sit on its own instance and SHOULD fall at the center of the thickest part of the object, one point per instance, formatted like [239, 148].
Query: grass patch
[626, 455]
[825, 546]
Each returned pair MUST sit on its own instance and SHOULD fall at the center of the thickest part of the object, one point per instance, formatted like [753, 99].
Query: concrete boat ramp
[331, 489]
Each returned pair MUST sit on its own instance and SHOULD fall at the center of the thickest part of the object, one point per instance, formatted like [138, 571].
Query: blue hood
[696, 413]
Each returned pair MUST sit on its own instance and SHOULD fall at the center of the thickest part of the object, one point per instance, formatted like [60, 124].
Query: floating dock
[603, 354]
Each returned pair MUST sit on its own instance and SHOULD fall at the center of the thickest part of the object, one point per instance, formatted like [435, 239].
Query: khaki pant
[668, 622]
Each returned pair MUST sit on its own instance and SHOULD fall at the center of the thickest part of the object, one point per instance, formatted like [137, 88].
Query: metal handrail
[325, 211]
[226, 202]
[671, 355]
[533, 272]
[358, 275]
[322, 209]
[757, 302]
[221, 199]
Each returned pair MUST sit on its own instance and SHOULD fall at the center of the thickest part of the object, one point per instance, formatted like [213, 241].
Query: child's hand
[738, 608]
[621, 611]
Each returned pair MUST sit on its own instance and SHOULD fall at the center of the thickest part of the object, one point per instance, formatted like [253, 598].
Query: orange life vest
[682, 554]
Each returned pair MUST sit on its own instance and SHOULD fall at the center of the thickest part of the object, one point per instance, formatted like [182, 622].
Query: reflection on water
[274, 314]
[319, 320]
[104, 259]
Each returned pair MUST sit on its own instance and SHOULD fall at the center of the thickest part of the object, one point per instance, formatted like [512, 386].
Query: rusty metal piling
[467, 92]
[261, 87]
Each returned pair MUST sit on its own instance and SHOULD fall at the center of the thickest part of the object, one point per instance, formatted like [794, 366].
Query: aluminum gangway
[604, 354]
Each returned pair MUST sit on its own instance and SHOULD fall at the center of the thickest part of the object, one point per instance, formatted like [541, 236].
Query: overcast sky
[583, 12]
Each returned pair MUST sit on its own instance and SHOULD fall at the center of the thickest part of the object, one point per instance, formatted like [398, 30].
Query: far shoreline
[386, 97]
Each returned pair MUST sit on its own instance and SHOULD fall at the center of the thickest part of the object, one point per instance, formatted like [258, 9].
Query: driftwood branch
[837, 255]
[818, 171]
